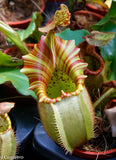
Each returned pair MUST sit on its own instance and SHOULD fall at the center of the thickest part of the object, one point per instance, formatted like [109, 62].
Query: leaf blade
[19, 80]
[97, 38]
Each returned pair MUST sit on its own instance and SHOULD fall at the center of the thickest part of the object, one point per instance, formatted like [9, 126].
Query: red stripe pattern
[40, 63]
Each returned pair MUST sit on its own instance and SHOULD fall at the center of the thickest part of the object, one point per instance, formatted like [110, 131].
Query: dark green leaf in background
[73, 35]
[109, 17]
[18, 80]
[109, 51]
[8, 61]
[32, 30]
[108, 24]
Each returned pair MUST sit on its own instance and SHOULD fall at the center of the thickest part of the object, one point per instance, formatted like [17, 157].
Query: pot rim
[26, 21]
[28, 44]
[95, 9]
[91, 154]
[85, 12]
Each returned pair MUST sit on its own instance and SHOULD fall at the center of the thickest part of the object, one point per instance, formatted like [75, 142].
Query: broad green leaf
[97, 38]
[18, 79]
[73, 35]
[109, 51]
[108, 24]
[13, 35]
[8, 61]
[109, 17]
[32, 30]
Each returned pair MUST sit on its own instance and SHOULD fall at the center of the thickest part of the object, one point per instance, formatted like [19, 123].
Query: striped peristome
[40, 63]
[67, 59]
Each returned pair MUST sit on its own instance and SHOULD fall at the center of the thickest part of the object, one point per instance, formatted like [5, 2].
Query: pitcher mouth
[60, 82]
[52, 61]
[60, 86]
[5, 125]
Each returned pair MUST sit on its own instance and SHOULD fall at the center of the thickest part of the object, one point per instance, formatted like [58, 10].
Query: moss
[59, 81]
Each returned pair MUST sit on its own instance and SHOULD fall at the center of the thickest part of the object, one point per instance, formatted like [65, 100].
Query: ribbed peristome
[41, 62]
[49, 53]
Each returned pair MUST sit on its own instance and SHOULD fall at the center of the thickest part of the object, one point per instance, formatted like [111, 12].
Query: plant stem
[104, 96]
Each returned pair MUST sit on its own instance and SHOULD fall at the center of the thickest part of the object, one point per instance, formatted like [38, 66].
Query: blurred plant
[75, 5]
[10, 66]
[7, 137]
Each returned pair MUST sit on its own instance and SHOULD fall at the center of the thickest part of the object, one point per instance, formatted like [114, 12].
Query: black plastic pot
[24, 118]
[45, 146]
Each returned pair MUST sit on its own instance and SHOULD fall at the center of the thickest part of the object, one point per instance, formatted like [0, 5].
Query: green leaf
[108, 52]
[32, 30]
[13, 35]
[18, 79]
[109, 17]
[97, 38]
[8, 61]
[73, 35]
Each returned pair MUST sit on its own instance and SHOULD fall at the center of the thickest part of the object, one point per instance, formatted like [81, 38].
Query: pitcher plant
[7, 137]
[55, 73]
